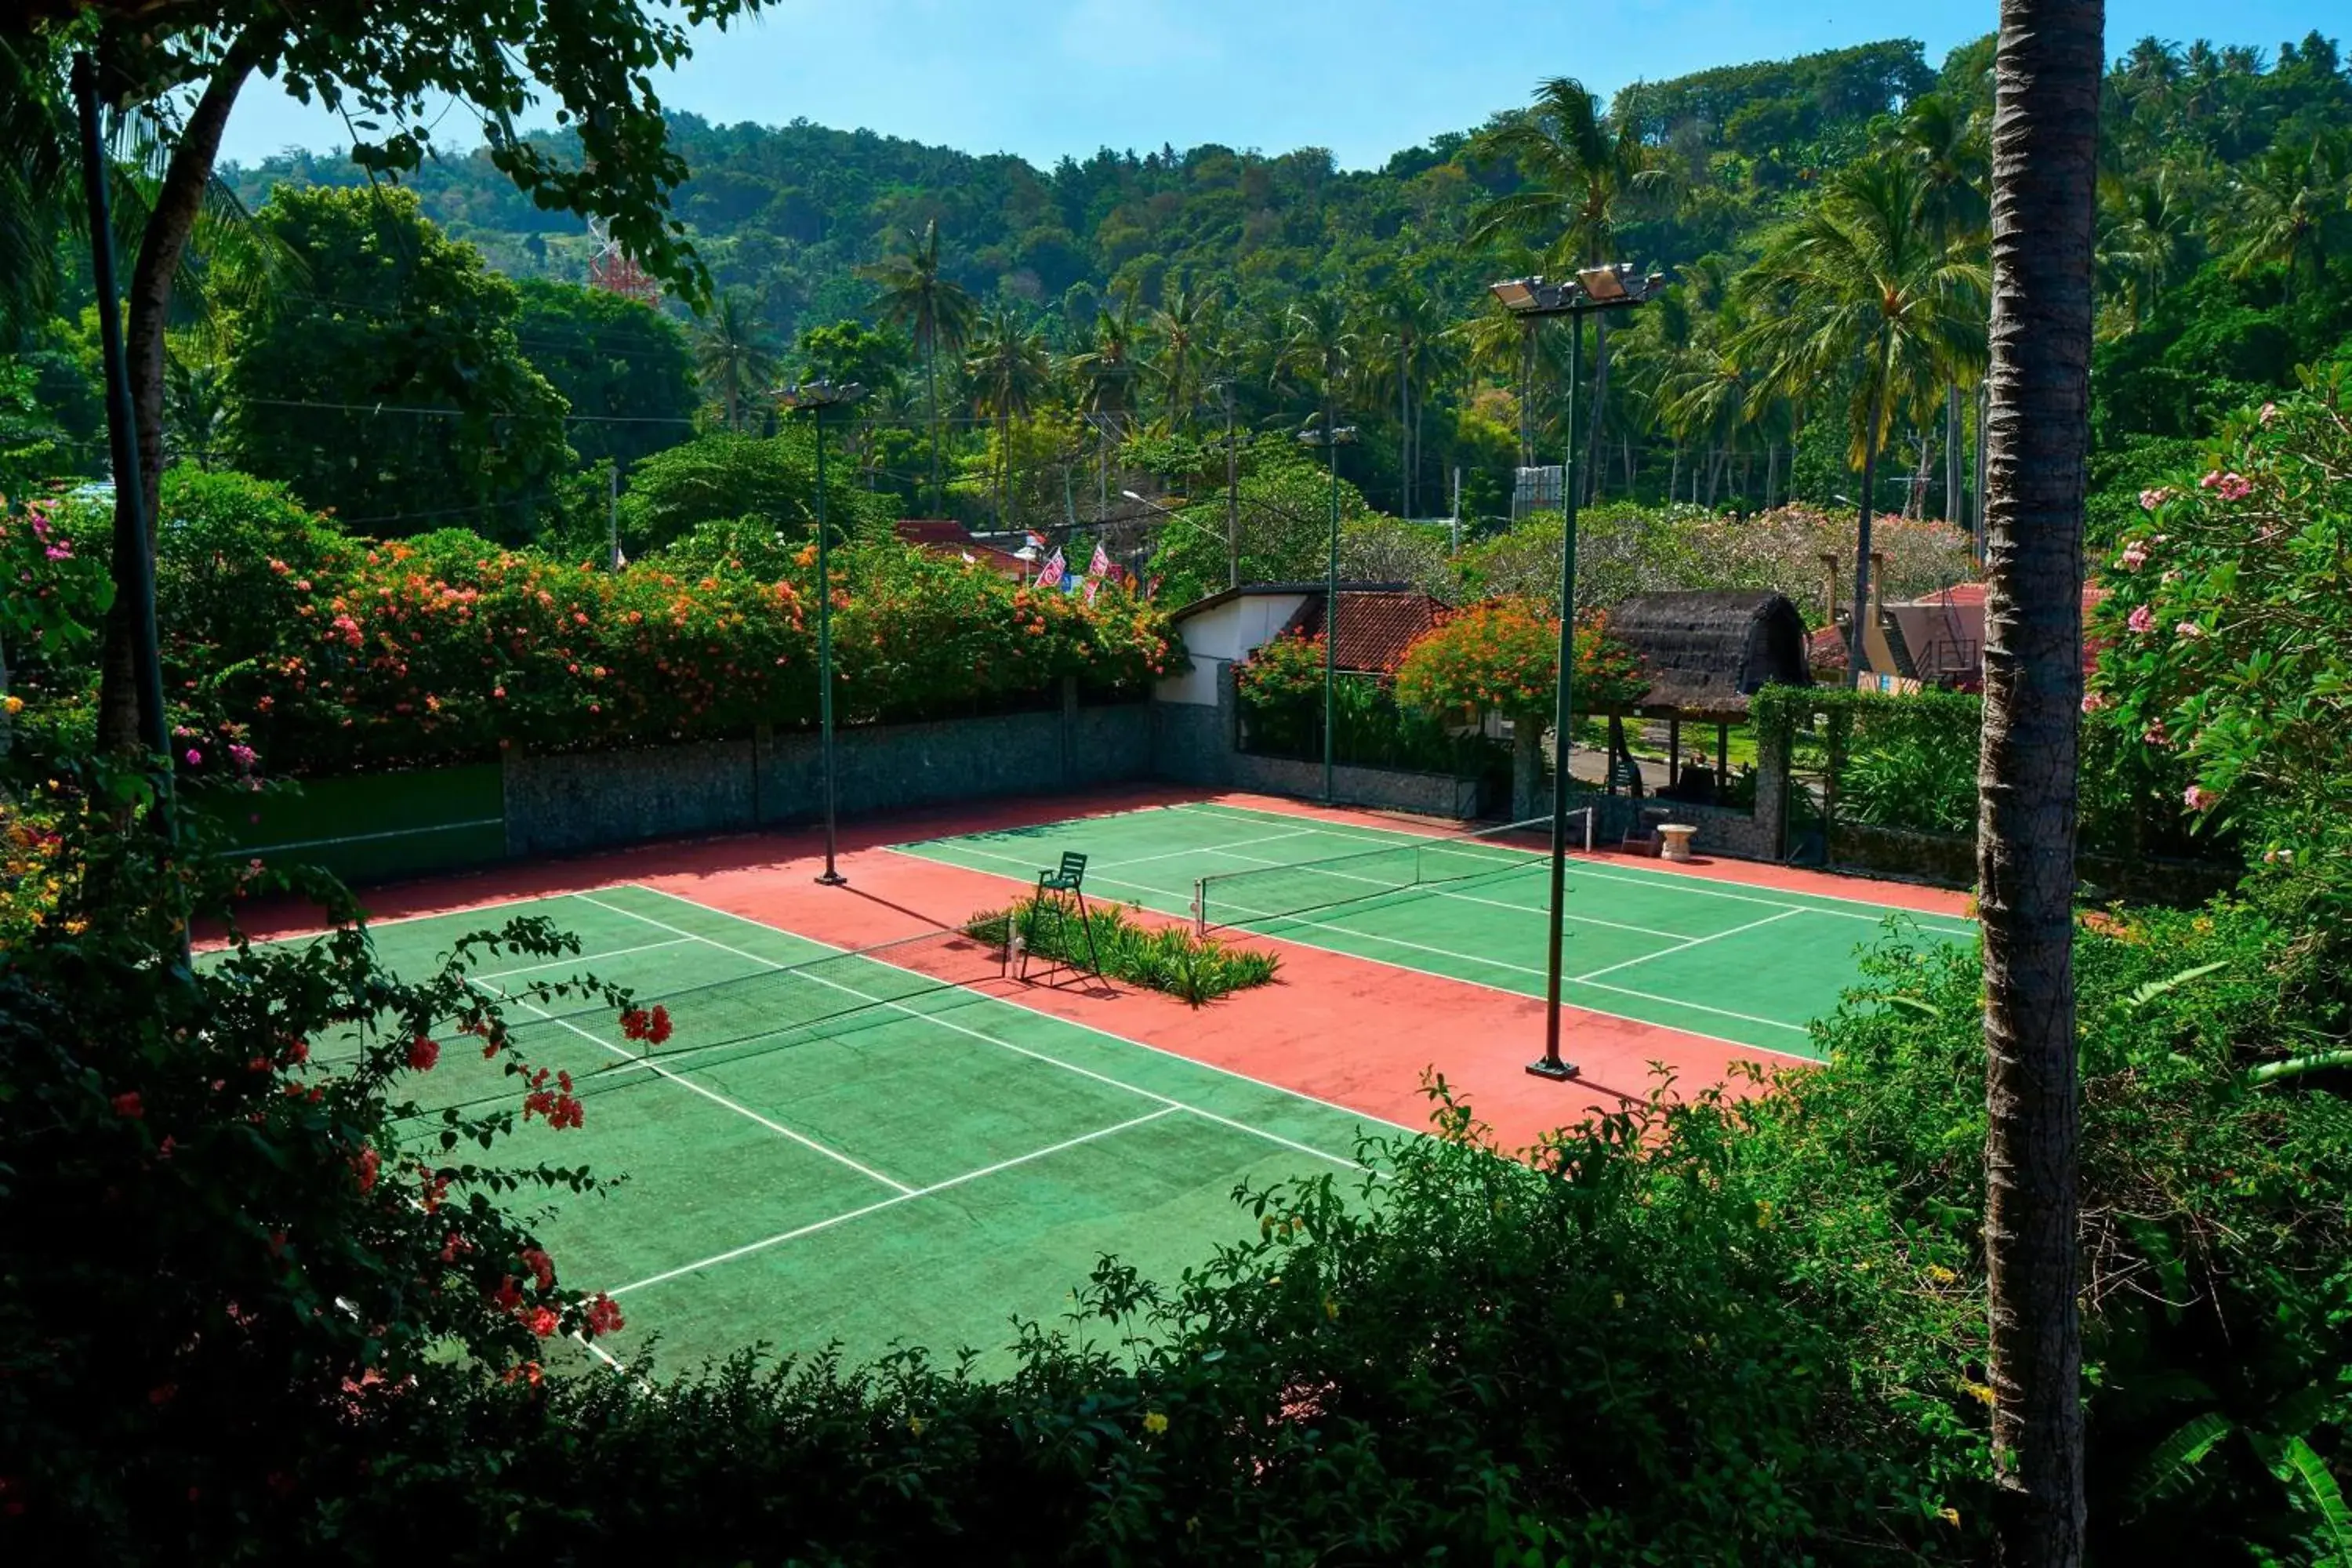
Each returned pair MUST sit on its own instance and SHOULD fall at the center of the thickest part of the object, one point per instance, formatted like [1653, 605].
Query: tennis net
[1275, 892]
[821, 998]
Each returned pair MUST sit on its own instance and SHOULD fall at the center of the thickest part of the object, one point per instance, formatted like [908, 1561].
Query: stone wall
[564, 804]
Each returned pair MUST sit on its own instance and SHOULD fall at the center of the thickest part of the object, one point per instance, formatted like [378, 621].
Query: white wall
[1221, 636]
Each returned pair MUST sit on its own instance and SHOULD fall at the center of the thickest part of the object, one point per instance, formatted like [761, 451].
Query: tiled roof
[1375, 628]
[945, 536]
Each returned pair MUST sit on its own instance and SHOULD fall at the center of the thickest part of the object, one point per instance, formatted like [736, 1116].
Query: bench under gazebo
[1705, 653]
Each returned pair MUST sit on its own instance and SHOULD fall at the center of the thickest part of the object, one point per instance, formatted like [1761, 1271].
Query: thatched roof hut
[1707, 652]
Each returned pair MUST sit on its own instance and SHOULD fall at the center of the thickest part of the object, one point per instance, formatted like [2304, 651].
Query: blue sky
[1363, 78]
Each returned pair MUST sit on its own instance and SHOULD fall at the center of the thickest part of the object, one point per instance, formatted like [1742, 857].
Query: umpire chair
[1070, 880]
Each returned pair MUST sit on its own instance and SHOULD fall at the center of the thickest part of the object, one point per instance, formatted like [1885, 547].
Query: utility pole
[1456, 513]
[1233, 495]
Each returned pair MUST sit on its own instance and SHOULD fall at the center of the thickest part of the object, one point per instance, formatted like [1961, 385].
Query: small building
[1378, 621]
[946, 537]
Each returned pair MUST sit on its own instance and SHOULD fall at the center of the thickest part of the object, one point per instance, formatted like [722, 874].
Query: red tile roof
[1375, 628]
[945, 536]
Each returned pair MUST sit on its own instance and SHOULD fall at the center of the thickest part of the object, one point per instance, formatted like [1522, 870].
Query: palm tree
[1182, 327]
[1864, 274]
[2044, 200]
[737, 359]
[2288, 200]
[1320, 352]
[2147, 238]
[935, 308]
[1110, 367]
[1580, 179]
[1007, 368]
[1411, 332]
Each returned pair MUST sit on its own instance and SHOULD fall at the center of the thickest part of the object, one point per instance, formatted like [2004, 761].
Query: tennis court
[1746, 965]
[861, 1147]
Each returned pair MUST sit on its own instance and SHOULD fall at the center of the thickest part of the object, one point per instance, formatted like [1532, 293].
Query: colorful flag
[1100, 565]
[1070, 581]
[1051, 577]
[1092, 584]
[1038, 539]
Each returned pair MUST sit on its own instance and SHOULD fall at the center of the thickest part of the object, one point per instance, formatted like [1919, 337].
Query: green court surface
[848, 1150]
[1750, 966]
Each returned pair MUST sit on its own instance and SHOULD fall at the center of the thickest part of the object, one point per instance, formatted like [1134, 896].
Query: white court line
[655, 1067]
[1190, 849]
[1000, 1044]
[1667, 882]
[732, 1253]
[258, 850]
[1482, 985]
[1685, 943]
[583, 958]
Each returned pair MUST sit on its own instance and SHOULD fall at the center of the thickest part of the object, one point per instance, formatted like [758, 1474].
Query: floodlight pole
[1532, 298]
[816, 397]
[1329, 439]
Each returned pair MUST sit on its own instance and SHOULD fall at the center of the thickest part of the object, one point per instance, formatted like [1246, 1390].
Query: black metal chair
[1071, 880]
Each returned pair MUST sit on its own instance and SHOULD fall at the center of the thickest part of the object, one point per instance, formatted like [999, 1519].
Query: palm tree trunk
[2047, 76]
[1674, 476]
[1854, 640]
[1952, 452]
[931, 383]
[1404, 426]
[147, 308]
[1771, 471]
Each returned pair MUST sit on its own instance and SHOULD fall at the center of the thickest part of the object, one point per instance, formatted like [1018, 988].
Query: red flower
[604, 1315]
[541, 1267]
[366, 1163]
[507, 1297]
[541, 1320]
[129, 1106]
[637, 1023]
[422, 1052]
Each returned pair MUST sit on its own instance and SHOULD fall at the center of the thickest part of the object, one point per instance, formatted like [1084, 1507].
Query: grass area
[1160, 958]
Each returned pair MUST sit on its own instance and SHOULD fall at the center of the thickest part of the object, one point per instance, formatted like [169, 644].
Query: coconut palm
[1414, 349]
[1182, 327]
[2147, 239]
[1863, 275]
[2049, 59]
[2289, 200]
[1580, 179]
[1110, 368]
[736, 358]
[935, 308]
[1008, 369]
[1320, 350]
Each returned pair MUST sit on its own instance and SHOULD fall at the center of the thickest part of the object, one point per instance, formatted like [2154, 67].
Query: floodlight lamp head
[1602, 284]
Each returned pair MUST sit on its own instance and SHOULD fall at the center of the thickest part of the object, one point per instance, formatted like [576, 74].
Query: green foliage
[623, 368]
[389, 388]
[2228, 642]
[1285, 511]
[1504, 657]
[722, 477]
[324, 653]
[1280, 688]
[1195, 969]
[232, 1230]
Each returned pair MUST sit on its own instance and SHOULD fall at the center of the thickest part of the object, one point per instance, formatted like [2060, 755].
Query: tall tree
[391, 389]
[932, 306]
[2044, 202]
[737, 359]
[1182, 327]
[626, 369]
[402, 65]
[1863, 275]
[1581, 178]
[1008, 368]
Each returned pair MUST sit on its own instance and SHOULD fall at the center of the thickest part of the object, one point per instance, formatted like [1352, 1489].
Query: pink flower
[2093, 701]
[2154, 734]
[2197, 798]
[541, 1320]
[2270, 412]
[2188, 630]
[2150, 499]
[2141, 619]
[195, 759]
[2228, 486]
[2135, 557]
[243, 756]
[60, 551]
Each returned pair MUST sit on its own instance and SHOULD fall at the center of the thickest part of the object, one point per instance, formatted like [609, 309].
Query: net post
[1200, 906]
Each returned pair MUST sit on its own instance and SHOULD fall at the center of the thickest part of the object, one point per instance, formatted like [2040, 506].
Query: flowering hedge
[1504, 657]
[322, 652]
[2227, 633]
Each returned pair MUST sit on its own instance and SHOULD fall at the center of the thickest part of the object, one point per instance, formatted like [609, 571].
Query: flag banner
[1100, 565]
[1038, 539]
[1092, 584]
[1051, 577]
[1070, 581]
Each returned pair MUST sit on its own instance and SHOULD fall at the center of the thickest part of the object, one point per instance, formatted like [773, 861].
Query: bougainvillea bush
[1504, 657]
[2228, 638]
[321, 653]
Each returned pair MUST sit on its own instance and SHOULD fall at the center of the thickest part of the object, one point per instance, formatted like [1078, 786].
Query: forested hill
[787, 212]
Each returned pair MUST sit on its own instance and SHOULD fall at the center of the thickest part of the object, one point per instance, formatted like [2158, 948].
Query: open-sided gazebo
[1705, 653]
